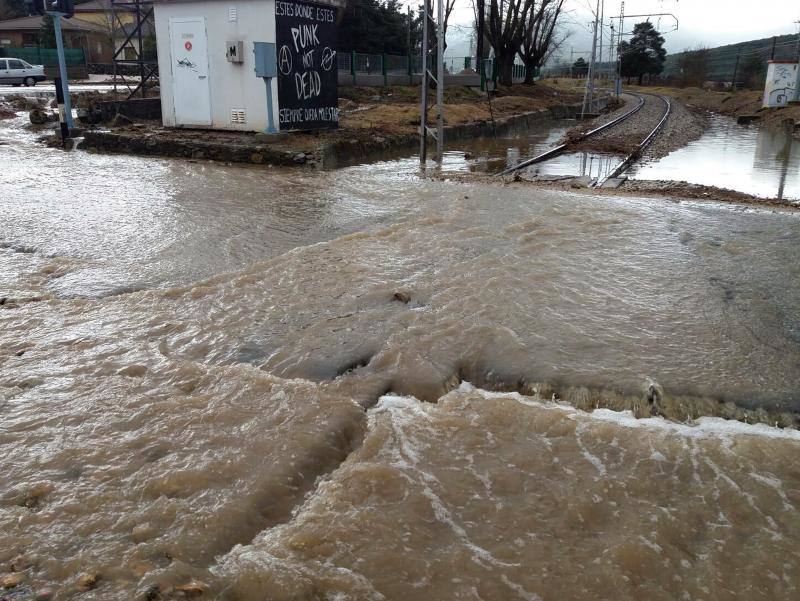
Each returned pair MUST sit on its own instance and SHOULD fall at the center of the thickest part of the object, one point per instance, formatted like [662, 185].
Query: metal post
[62, 120]
[570, 63]
[141, 47]
[440, 81]
[353, 65]
[735, 69]
[618, 81]
[270, 117]
[797, 81]
[588, 92]
[479, 41]
[600, 41]
[62, 68]
[423, 126]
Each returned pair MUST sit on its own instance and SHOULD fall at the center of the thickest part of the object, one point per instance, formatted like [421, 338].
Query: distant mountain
[723, 58]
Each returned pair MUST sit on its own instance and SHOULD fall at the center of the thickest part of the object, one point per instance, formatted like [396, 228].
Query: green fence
[46, 56]
[389, 64]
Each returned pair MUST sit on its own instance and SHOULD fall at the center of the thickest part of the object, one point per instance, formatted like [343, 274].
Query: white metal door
[191, 93]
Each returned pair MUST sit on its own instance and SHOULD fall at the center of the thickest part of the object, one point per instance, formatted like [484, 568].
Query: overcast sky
[707, 22]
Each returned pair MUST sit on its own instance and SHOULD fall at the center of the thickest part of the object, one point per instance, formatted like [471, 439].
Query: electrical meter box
[266, 59]
[235, 51]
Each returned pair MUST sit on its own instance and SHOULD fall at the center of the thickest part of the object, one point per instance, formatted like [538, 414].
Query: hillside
[723, 58]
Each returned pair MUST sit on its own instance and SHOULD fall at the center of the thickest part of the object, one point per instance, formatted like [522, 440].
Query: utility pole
[479, 51]
[618, 81]
[797, 80]
[735, 69]
[58, 9]
[611, 69]
[571, 49]
[588, 92]
[437, 78]
[600, 42]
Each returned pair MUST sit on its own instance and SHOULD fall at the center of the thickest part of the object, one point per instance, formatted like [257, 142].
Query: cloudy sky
[708, 22]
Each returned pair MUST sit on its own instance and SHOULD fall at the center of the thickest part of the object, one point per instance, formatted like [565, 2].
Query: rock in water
[192, 589]
[87, 582]
[12, 580]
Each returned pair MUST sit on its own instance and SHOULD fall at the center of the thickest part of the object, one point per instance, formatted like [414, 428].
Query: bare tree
[694, 65]
[541, 39]
[505, 30]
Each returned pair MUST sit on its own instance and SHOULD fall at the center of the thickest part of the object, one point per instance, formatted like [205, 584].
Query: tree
[375, 27]
[694, 66]
[753, 72]
[580, 67]
[644, 54]
[11, 9]
[47, 33]
[540, 39]
[505, 30]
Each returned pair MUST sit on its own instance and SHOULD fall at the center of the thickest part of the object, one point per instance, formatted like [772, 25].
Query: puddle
[748, 159]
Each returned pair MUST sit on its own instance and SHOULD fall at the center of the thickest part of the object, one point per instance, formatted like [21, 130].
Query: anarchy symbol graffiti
[328, 57]
[285, 60]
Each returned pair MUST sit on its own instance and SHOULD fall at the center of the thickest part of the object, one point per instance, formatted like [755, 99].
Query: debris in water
[12, 580]
[87, 581]
[193, 588]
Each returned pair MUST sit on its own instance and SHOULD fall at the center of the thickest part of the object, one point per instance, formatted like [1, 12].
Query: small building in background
[248, 65]
[781, 81]
[93, 38]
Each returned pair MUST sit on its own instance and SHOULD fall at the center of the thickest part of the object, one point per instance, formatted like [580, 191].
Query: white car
[16, 71]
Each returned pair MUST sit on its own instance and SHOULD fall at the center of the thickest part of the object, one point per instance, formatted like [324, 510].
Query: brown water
[255, 419]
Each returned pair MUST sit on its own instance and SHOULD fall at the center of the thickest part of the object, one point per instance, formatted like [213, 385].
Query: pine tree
[47, 33]
[644, 54]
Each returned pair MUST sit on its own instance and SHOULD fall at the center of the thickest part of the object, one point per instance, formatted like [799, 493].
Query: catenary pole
[62, 68]
[588, 92]
[797, 54]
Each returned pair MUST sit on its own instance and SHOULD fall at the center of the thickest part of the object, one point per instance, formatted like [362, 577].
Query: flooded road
[287, 410]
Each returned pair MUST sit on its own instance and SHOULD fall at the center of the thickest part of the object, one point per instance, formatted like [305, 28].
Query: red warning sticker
[188, 46]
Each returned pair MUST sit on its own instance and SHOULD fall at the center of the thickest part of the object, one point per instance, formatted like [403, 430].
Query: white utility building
[781, 81]
[219, 66]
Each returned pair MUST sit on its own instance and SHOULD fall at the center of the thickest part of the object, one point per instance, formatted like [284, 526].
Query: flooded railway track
[611, 128]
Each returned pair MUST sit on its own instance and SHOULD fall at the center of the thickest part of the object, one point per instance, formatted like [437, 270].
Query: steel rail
[632, 157]
[562, 147]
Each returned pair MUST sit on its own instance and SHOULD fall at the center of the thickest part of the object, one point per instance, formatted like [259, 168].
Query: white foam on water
[702, 427]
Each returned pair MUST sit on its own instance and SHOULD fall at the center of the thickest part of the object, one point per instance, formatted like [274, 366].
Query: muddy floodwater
[248, 384]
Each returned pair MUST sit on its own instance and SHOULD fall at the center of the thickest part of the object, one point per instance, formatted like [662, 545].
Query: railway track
[607, 127]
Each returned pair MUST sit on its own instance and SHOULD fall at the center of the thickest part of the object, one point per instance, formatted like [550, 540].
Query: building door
[191, 92]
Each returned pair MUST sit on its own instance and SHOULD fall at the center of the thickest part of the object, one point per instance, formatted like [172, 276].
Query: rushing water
[254, 418]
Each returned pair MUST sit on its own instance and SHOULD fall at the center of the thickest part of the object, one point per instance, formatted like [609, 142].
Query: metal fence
[46, 56]
[390, 64]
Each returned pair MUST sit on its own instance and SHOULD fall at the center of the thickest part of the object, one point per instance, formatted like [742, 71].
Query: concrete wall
[779, 86]
[233, 85]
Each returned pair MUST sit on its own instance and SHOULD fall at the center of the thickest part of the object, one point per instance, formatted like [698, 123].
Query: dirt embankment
[397, 109]
[371, 120]
[741, 103]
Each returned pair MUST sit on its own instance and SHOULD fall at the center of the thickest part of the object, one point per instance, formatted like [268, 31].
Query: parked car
[17, 72]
